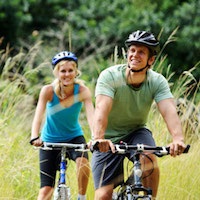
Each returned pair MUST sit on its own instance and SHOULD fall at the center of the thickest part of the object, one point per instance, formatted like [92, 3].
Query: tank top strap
[76, 93]
[53, 84]
[55, 97]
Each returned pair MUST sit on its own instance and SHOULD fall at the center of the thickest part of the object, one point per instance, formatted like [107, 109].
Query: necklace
[63, 95]
[69, 91]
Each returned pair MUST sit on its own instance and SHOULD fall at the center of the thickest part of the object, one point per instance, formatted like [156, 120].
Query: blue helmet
[64, 55]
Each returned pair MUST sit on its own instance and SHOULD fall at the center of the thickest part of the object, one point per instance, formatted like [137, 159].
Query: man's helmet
[64, 55]
[144, 38]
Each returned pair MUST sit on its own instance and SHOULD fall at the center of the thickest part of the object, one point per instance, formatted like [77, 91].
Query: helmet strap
[133, 70]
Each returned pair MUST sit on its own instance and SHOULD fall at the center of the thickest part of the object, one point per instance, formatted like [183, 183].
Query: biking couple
[124, 94]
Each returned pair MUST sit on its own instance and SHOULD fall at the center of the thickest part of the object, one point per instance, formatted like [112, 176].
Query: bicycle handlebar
[76, 147]
[125, 148]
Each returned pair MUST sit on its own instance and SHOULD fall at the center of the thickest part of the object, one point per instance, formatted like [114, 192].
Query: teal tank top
[62, 124]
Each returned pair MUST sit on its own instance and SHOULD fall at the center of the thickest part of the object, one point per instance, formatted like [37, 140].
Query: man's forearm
[174, 126]
[99, 127]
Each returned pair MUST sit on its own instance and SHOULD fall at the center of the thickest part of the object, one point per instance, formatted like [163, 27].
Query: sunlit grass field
[19, 165]
[19, 171]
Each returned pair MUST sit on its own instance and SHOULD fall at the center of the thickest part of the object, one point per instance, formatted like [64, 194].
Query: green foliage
[93, 28]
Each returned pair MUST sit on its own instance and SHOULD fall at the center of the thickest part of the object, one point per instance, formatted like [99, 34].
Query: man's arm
[103, 107]
[168, 111]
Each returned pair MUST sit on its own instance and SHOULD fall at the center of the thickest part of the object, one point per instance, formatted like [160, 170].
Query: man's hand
[177, 147]
[105, 145]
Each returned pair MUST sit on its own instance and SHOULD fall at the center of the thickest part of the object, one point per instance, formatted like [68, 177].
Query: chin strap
[133, 70]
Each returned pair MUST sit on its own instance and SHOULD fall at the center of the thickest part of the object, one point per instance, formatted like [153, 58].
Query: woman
[63, 100]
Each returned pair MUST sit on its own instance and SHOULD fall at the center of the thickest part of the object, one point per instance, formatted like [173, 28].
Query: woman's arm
[46, 94]
[86, 98]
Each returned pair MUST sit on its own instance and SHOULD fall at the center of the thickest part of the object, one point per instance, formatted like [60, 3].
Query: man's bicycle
[62, 191]
[132, 188]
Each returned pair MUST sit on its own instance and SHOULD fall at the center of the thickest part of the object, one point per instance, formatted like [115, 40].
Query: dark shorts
[107, 168]
[50, 160]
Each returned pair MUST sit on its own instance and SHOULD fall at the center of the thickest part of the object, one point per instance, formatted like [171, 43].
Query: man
[124, 94]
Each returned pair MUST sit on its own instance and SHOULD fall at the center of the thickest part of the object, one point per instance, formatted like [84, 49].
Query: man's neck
[135, 78]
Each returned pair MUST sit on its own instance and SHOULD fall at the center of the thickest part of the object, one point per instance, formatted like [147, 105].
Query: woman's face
[67, 73]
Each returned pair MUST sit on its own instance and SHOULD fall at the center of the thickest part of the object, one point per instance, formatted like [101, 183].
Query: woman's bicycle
[62, 191]
[132, 188]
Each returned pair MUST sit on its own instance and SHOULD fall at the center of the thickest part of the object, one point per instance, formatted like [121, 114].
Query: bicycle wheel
[119, 196]
[62, 192]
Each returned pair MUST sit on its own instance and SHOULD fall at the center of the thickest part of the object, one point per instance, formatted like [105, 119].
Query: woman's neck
[67, 91]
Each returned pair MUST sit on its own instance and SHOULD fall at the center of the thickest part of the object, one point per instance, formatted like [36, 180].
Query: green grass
[180, 176]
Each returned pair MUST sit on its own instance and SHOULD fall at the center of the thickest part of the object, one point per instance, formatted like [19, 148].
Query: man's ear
[151, 60]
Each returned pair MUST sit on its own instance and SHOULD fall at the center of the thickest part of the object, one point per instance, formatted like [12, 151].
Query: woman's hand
[37, 142]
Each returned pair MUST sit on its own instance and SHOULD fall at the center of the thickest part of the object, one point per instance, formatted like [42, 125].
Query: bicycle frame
[62, 191]
[63, 165]
[130, 190]
[133, 186]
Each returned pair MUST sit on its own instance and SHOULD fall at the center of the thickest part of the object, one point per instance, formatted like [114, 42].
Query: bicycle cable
[144, 155]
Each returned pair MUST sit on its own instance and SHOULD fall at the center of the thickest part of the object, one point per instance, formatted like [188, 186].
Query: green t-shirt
[130, 105]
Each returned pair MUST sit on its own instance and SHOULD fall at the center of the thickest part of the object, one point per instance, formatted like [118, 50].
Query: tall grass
[19, 168]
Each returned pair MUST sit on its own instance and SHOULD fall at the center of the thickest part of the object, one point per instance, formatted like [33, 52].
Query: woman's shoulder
[47, 92]
[84, 92]
[47, 88]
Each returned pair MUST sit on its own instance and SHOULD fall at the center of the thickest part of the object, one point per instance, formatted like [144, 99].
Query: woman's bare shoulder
[84, 92]
[47, 92]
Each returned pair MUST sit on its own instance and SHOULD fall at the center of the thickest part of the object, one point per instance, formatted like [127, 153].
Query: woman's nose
[67, 73]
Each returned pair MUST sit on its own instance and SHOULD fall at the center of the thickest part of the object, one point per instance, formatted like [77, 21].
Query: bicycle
[62, 191]
[132, 188]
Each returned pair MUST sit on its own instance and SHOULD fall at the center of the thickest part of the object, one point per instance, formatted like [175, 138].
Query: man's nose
[135, 53]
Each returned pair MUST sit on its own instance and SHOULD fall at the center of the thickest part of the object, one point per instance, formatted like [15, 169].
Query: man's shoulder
[155, 76]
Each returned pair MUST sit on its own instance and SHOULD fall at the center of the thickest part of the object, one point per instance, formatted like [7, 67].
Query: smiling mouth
[135, 61]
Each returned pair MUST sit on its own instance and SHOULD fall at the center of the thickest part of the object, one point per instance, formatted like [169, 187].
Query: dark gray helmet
[144, 38]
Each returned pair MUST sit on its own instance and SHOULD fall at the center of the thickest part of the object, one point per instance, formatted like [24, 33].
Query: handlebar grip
[94, 147]
[186, 149]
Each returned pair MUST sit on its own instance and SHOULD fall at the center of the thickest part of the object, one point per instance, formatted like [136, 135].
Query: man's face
[138, 56]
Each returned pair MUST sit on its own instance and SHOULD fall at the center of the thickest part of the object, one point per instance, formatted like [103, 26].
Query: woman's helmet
[64, 55]
[144, 38]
